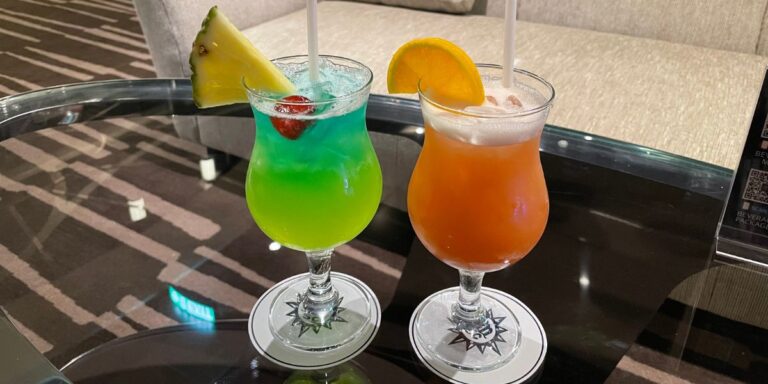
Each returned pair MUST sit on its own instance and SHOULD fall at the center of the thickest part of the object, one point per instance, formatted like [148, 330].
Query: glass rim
[522, 113]
[345, 97]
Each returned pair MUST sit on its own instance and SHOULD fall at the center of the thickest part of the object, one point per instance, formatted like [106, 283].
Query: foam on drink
[508, 116]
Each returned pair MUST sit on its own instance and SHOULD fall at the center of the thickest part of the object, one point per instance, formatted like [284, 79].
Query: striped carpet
[75, 269]
[51, 42]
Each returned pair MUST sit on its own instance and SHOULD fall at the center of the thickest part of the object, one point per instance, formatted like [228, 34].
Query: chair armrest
[490, 7]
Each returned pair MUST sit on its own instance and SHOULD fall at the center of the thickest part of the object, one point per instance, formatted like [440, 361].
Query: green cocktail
[314, 183]
[319, 190]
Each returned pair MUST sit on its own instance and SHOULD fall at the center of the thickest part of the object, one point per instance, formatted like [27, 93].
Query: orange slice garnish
[443, 71]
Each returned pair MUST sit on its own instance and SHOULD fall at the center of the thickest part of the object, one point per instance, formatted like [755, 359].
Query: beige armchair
[680, 76]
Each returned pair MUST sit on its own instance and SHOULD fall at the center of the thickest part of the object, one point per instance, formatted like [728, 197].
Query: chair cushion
[692, 101]
[719, 24]
[453, 6]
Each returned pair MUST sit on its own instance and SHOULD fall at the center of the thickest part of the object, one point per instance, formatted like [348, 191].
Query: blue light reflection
[191, 307]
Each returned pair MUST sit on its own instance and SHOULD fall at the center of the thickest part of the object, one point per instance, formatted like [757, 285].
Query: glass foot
[477, 349]
[319, 327]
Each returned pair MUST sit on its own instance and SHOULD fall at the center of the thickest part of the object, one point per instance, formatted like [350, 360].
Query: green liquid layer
[318, 191]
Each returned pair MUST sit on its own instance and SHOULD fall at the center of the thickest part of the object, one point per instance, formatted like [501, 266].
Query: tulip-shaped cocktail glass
[314, 183]
[478, 201]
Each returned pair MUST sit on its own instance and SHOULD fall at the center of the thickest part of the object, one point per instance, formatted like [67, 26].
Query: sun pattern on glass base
[310, 325]
[488, 336]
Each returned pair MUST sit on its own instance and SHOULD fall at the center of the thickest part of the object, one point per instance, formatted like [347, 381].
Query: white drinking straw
[510, 16]
[314, 72]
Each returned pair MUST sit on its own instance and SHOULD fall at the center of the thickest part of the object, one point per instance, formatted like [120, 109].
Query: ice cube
[318, 92]
[513, 102]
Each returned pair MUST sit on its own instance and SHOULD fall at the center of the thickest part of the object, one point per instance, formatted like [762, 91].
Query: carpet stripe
[649, 373]
[115, 5]
[33, 155]
[127, 52]
[114, 324]
[38, 342]
[100, 137]
[23, 272]
[122, 31]
[174, 141]
[7, 91]
[81, 146]
[53, 68]
[144, 66]
[99, 6]
[85, 65]
[172, 157]
[26, 84]
[376, 264]
[673, 365]
[70, 9]
[44, 20]
[137, 311]
[160, 119]
[199, 227]
[19, 35]
[234, 266]
[115, 37]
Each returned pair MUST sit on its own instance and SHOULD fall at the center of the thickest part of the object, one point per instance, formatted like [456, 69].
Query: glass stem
[320, 287]
[469, 309]
[321, 301]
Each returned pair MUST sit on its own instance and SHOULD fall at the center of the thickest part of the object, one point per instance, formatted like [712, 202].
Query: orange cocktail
[478, 201]
[478, 207]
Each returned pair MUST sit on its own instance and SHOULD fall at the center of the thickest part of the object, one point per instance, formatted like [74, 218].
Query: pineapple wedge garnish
[221, 57]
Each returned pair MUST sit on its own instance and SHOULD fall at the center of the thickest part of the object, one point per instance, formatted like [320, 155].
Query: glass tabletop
[114, 250]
